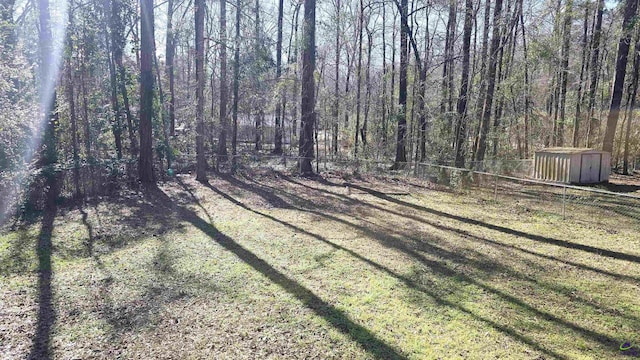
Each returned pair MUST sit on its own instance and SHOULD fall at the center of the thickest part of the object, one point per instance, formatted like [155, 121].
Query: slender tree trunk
[461, 124]
[527, 90]
[116, 126]
[491, 78]
[367, 84]
[483, 76]
[236, 86]
[201, 162]
[279, 113]
[583, 65]
[566, 39]
[169, 60]
[296, 80]
[594, 123]
[72, 105]
[384, 75]
[118, 43]
[145, 164]
[222, 138]
[401, 156]
[632, 103]
[630, 9]
[336, 94]
[359, 74]
[308, 87]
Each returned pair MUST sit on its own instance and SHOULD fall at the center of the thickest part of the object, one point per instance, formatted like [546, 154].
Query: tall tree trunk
[384, 75]
[594, 123]
[72, 105]
[259, 115]
[527, 91]
[336, 93]
[308, 87]
[118, 42]
[169, 63]
[630, 9]
[483, 76]
[116, 126]
[583, 65]
[201, 162]
[236, 86]
[566, 39]
[461, 124]
[224, 124]
[491, 81]
[296, 81]
[401, 156]
[367, 84]
[447, 68]
[145, 164]
[632, 103]
[359, 74]
[279, 113]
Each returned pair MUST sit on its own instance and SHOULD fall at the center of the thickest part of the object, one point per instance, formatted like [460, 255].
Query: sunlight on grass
[428, 275]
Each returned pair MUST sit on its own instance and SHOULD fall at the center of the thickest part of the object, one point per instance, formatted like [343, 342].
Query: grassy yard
[274, 266]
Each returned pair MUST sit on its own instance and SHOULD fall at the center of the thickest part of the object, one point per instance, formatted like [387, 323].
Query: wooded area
[453, 82]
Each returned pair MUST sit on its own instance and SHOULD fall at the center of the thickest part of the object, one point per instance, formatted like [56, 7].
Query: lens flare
[58, 11]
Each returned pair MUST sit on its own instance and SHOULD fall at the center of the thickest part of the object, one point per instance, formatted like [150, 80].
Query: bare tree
[145, 163]
[201, 162]
[308, 87]
[630, 8]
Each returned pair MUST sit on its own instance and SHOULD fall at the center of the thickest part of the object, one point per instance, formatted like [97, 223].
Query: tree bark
[169, 60]
[630, 9]
[583, 65]
[201, 162]
[359, 74]
[236, 86]
[222, 138]
[632, 103]
[336, 95]
[116, 126]
[594, 123]
[566, 39]
[401, 156]
[145, 164]
[279, 120]
[308, 88]
[491, 78]
[461, 124]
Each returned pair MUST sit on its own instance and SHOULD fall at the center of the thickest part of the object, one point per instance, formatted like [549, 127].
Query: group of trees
[428, 80]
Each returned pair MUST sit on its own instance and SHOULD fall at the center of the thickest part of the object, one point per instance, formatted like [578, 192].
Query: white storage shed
[572, 165]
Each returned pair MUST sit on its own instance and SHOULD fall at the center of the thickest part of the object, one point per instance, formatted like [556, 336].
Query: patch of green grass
[394, 270]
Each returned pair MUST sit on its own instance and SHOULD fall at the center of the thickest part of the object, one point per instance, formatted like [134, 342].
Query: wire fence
[531, 196]
[506, 182]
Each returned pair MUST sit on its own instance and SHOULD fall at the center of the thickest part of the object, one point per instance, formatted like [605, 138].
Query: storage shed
[572, 165]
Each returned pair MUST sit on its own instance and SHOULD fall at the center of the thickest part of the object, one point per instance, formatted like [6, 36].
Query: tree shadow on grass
[41, 347]
[417, 247]
[506, 230]
[409, 282]
[633, 280]
[337, 318]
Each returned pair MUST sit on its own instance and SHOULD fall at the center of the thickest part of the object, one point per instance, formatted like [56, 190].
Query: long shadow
[41, 347]
[539, 238]
[404, 279]
[437, 267]
[337, 318]
[442, 252]
[632, 279]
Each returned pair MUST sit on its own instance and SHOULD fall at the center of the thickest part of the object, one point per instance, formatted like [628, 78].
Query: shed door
[590, 171]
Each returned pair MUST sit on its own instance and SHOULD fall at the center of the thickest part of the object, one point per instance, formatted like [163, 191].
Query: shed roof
[568, 150]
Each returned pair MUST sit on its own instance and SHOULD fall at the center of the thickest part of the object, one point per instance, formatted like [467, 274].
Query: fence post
[495, 188]
[564, 195]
